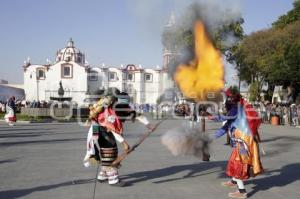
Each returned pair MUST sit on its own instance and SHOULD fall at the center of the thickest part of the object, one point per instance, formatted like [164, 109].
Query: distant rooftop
[2, 81]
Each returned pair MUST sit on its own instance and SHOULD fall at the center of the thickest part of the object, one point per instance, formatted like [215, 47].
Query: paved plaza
[41, 161]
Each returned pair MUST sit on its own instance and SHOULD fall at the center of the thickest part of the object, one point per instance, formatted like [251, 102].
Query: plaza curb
[22, 122]
[41, 122]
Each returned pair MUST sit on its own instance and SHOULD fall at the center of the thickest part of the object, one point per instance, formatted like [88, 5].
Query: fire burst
[203, 78]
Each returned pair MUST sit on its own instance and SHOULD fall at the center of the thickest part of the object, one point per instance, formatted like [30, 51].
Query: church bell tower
[168, 42]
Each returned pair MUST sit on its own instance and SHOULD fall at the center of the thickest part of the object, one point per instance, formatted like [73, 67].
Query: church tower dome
[70, 53]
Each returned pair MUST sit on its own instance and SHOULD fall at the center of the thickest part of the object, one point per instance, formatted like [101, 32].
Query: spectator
[38, 104]
[286, 115]
[269, 109]
[294, 115]
[298, 112]
[279, 113]
[263, 112]
[2, 107]
[11, 103]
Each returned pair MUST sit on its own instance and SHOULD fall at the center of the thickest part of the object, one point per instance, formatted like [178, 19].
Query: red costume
[245, 155]
[243, 124]
[109, 119]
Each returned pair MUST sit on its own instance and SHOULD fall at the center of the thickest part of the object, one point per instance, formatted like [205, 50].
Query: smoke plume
[154, 15]
[186, 141]
[214, 14]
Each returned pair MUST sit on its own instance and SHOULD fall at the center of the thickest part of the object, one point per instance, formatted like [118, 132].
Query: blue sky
[113, 32]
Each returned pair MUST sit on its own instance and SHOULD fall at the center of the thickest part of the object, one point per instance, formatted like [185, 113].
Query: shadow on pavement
[287, 175]
[194, 170]
[25, 134]
[7, 144]
[16, 129]
[284, 138]
[35, 134]
[280, 148]
[17, 193]
[8, 161]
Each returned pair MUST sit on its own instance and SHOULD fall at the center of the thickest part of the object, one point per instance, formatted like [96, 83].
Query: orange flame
[203, 78]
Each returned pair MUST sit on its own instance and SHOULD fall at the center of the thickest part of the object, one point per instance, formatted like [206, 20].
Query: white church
[80, 81]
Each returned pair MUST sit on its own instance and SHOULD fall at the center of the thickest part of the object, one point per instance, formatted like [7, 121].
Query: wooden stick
[121, 157]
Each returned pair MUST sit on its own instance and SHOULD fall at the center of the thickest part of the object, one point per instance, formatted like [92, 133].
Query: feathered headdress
[233, 94]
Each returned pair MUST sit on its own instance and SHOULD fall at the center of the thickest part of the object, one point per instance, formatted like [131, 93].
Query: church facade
[81, 82]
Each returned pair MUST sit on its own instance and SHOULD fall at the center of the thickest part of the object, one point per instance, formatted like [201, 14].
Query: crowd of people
[11, 101]
[27, 104]
[22, 103]
[287, 114]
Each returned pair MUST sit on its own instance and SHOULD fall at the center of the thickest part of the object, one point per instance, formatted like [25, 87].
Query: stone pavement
[42, 161]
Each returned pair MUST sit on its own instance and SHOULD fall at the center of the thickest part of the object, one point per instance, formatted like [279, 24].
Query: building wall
[85, 83]
[117, 83]
[43, 89]
[96, 84]
[30, 83]
[152, 89]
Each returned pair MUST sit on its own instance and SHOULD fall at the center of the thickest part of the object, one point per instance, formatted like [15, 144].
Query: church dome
[70, 53]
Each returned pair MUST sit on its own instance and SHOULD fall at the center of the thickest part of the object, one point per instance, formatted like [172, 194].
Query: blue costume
[230, 117]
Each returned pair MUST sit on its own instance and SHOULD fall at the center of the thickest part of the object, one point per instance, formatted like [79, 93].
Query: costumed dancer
[243, 124]
[105, 131]
[229, 114]
[10, 116]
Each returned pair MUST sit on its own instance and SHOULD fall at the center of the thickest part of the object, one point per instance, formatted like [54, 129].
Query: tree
[291, 16]
[226, 38]
[254, 91]
[272, 56]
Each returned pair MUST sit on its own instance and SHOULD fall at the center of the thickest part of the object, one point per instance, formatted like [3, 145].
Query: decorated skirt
[236, 168]
[108, 148]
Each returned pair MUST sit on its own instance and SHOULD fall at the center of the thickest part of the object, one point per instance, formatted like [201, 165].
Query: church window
[148, 77]
[93, 76]
[40, 73]
[130, 77]
[67, 71]
[112, 76]
[124, 76]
